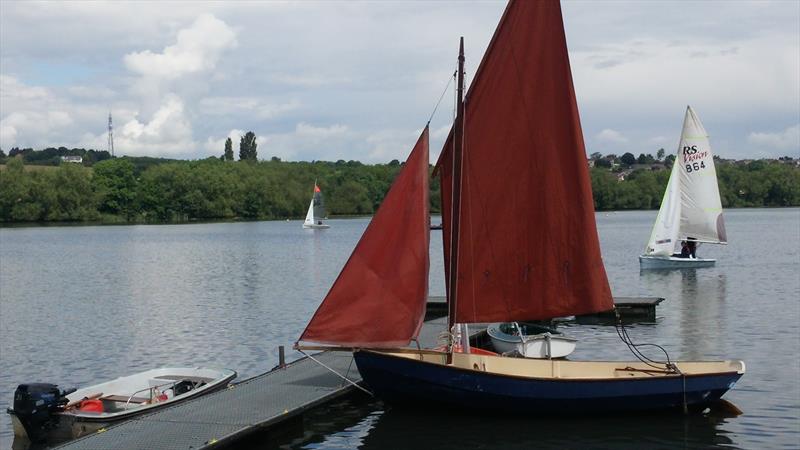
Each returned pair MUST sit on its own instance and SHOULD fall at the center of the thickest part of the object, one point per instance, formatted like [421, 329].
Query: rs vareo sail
[691, 207]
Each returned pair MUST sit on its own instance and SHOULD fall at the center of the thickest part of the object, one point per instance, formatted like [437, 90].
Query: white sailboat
[316, 211]
[691, 211]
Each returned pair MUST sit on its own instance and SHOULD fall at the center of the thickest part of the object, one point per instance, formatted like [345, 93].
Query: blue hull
[403, 380]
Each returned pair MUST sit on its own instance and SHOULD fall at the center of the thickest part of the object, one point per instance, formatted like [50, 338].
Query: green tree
[602, 162]
[115, 183]
[660, 154]
[247, 147]
[645, 159]
[628, 159]
[228, 150]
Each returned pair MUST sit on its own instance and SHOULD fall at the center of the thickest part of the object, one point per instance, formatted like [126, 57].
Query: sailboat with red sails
[526, 254]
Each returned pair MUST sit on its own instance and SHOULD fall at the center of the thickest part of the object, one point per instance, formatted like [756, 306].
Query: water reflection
[369, 424]
[454, 430]
[698, 297]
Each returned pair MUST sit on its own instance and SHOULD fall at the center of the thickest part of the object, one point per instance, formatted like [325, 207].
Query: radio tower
[110, 135]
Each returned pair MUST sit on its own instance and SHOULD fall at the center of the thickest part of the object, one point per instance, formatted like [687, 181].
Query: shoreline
[48, 224]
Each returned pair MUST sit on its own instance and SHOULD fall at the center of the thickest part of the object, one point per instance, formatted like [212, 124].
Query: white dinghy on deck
[529, 340]
[691, 211]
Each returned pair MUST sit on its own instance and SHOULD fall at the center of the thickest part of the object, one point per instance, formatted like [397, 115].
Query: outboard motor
[34, 405]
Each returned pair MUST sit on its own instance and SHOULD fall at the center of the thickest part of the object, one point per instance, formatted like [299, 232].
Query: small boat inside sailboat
[530, 340]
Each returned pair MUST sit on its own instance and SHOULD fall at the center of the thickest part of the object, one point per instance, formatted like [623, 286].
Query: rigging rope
[450, 80]
[622, 332]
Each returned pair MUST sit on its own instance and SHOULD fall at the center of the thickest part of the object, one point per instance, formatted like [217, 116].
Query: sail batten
[379, 298]
[528, 246]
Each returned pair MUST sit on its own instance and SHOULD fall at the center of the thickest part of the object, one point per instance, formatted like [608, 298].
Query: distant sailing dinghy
[691, 211]
[316, 211]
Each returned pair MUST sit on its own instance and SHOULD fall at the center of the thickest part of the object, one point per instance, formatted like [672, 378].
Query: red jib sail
[528, 246]
[379, 298]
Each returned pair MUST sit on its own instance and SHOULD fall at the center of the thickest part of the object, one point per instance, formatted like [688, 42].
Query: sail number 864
[695, 166]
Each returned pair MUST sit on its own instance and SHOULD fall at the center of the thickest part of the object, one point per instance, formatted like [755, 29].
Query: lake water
[81, 305]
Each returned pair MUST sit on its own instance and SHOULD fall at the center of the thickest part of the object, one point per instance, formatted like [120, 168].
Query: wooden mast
[458, 144]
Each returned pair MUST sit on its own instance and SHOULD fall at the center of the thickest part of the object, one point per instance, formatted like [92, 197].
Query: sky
[330, 80]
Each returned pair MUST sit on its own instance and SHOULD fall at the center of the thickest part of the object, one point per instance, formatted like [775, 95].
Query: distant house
[72, 159]
[590, 162]
[621, 175]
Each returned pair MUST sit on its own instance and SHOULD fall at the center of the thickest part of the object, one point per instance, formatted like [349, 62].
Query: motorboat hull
[672, 262]
[74, 422]
[404, 378]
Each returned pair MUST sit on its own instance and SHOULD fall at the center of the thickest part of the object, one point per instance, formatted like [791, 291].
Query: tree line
[151, 190]
[125, 190]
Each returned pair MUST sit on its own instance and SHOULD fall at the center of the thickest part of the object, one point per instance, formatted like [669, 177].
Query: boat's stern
[16, 424]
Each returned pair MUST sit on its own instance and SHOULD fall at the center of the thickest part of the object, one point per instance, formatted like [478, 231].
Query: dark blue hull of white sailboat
[404, 380]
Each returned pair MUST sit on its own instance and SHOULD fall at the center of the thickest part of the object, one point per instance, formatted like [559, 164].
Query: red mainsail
[379, 298]
[528, 246]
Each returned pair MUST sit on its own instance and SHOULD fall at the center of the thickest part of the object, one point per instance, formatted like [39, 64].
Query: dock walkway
[253, 405]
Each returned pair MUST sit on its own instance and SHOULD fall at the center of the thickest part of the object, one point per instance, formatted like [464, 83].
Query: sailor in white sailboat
[689, 248]
[685, 253]
[691, 244]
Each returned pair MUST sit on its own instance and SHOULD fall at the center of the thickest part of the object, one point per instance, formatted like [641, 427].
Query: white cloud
[304, 130]
[32, 115]
[657, 140]
[8, 133]
[168, 133]
[13, 91]
[788, 139]
[197, 49]
[611, 136]
[386, 145]
[656, 75]
[216, 147]
[309, 80]
[259, 108]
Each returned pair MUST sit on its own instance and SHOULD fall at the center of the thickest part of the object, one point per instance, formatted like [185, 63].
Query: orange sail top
[379, 298]
[528, 246]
